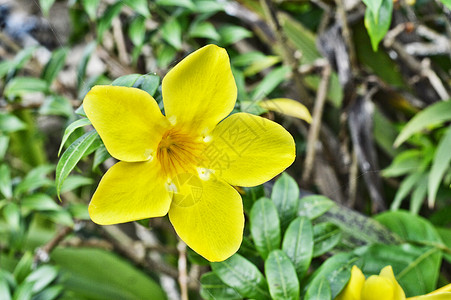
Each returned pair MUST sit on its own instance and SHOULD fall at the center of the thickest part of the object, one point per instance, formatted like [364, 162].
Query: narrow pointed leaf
[285, 195]
[282, 279]
[440, 164]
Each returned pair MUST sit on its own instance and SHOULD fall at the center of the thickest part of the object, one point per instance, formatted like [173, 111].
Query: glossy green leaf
[105, 21]
[4, 143]
[36, 178]
[23, 291]
[445, 235]
[419, 195]
[90, 7]
[5, 290]
[261, 64]
[70, 129]
[265, 226]
[62, 217]
[140, 6]
[23, 267]
[18, 86]
[178, 3]
[410, 227]
[72, 156]
[434, 114]
[137, 31]
[212, 288]
[298, 244]
[11, 215]
[148, 83]
[282, 279]
[337, 271]
[45, 6]
[208, 6]
[75, 181]
[373, 5]
[447, 3]
[38, 202]
[54, 66]
[314, 206]
[100, 156]
[165, 55]
[285, 195]
[126, 80]
[319, 290]
[416, 268]
[231, 34]
[10, 123]
[56, 105]
[50, 293]
[405, 188]
[378, 24]
[326, 236]
[171, 32]
[6, 187]
[204, 29]
[441, 163]
[270, 82]
[42, 277]
[101, 275]
[404, 163]
[243, 276]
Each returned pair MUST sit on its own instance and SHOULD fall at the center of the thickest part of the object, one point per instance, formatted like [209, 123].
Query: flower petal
[377, 288]
[387, 272]
[130, 191]
[200, 91]
[353, 289]
[433, 296]
[248, 150]
[208, 216]
[128, 120]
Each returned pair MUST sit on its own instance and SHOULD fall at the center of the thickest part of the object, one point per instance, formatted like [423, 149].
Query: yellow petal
[387, 272]
[353, 289]
[433, 296]
[248, 150]
[287, 107]
[207, 215]
[377, 288]
[128, 120]
[200, 91]
[130, 191]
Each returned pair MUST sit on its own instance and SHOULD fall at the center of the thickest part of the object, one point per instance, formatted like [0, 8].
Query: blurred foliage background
[370, 185]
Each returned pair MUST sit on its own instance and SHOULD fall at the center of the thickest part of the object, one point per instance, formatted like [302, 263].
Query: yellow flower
[383, 286]
[185, 162]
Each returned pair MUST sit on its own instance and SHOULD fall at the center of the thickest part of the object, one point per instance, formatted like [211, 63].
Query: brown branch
[314, 131]
[43, 253]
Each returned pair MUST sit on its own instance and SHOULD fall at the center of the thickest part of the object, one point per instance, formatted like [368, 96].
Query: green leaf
[72, 156]
[208, 6]
[56, 105]
[4, 287]
[62, 217]
[10, 123]
[165, 55]
[39, 202]
[6, 187]
[204, 30]
[285, 195]
[18, 86]
[319, 290]
[230, 34]
[70, 129]
[410, 227]
[434, 114]
[178, 3]
[100, 156]
[90, 7]
[298, 244]
[23, 291]
[35, 179]
[415, 268]
[126, 80]
[94, 274]
[326, 236]
[42, 277]
[81, 68]
[50, 293]
[23, 267]
[405, 188]
[4, 143]
[265, 226]
[373, 5]
[314, 206]
[447, 3]
[45, 6]
[140, 6]
[11, 214]
[54, 66]
[75, 181]
[440, 164]
[419, 194]
[171, 32]
[137, 30]
[212, 288]
[281, 275]
[105, 22]
[22, 58]
[270, 82]
[148, 83]
[243, 276]
[377, 24]
[337, 271]
[405, 162]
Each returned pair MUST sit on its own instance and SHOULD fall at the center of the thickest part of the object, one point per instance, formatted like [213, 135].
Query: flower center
[179, 152]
